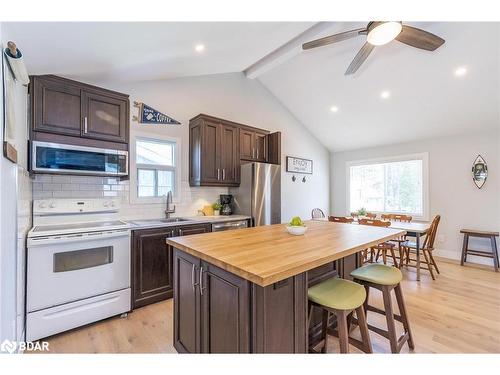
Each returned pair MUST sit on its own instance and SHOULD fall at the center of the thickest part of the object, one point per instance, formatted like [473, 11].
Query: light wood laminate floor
[457, 313]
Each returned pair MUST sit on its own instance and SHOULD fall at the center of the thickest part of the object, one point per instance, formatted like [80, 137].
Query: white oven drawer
[63, 272]
[48, 322]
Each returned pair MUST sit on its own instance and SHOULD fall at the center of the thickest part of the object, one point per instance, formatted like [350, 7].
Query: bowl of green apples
[296, 226]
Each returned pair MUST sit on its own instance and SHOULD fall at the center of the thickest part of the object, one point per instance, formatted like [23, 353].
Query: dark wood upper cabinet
[253, 145]
[229, 155]
[152, 272]
[56, 107]
[104, 117]
[67, 111]
[214, 152]
[217, 148]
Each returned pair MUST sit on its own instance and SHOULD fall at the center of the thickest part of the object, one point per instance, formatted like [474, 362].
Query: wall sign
[479, 171]
[149, 115]
[299, 165]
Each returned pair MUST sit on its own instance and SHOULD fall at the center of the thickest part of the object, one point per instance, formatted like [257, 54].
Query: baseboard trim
[454, 257]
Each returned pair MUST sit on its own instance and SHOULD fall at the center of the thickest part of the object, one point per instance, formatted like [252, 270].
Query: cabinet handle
[201, 281]
[223, 173]
[180, 232]
[253, 153]
[85, 124]
[193, 277]
[257, 153]
[218, 174]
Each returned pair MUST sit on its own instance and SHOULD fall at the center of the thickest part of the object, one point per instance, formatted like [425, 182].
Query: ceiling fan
[379, 33]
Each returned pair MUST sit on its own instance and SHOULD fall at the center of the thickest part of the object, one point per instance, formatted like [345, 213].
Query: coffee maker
[226, 200]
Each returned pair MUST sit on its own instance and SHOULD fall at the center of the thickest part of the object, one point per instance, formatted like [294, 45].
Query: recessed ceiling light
[199, 47]
[460, 71]
[334, 108]
[385, 94]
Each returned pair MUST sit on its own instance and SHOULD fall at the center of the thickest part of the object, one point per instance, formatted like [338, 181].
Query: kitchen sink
[159, 221]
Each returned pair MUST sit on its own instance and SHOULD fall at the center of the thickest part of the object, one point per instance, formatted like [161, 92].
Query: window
[394, 185]
[156, 167]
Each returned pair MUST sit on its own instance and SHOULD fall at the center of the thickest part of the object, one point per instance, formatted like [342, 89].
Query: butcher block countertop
[268, 254]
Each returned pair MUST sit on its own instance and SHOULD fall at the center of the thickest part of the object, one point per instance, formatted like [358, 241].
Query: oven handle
[69, 238]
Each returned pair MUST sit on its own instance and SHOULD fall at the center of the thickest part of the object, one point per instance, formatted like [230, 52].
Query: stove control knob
[112, 204]
[106, 204]
[41, 205]
[52, 205]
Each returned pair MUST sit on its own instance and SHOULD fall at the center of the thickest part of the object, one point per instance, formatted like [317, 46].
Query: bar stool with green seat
[385, 279]
[341, 297]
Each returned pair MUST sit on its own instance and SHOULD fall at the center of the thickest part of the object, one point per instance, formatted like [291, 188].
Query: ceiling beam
[286, 51]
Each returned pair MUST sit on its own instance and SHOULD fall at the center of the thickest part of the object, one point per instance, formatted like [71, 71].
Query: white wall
[233, 97]
[453, 195]
[16, 196]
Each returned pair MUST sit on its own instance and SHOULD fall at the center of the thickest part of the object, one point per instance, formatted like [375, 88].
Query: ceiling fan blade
[360, 58]
[332, 39]
[419, 38]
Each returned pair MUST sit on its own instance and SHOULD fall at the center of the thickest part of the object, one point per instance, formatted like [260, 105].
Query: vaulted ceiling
[426, 97]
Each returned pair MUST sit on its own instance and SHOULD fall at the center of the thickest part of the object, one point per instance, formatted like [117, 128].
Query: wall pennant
[479, 171]
[148, 115]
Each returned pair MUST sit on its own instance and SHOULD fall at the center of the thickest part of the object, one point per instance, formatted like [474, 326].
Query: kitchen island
[245, 291]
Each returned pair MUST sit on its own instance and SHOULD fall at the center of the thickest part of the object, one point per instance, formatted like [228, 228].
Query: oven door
[68, 268]
[71, 159]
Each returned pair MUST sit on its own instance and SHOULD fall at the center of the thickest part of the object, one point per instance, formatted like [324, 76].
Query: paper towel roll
[16, 63]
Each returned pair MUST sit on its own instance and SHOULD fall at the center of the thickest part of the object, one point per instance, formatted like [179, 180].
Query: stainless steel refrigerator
[259, 193]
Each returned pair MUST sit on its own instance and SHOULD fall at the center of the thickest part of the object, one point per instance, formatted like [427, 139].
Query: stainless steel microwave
[70, 159]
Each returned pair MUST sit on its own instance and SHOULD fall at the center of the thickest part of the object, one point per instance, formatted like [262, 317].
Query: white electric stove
[78, 265]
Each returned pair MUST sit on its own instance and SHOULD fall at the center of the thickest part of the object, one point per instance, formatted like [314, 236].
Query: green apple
[296, 222]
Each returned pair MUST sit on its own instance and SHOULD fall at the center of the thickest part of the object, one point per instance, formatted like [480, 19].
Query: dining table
[416, 229]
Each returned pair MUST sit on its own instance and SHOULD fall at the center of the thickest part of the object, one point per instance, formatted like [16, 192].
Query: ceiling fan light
[384, 33]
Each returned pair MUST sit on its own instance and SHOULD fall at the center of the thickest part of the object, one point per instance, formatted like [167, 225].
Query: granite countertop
[188, 220]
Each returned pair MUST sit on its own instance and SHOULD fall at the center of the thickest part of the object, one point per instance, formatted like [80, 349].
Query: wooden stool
[385, 279]
[478, 233]
[340, 297]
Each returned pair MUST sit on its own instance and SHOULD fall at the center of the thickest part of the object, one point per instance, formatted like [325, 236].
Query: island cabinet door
[187, 333]
[225, 311]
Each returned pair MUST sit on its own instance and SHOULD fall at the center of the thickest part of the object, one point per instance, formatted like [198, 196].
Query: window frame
[424, 157]
[134, 166]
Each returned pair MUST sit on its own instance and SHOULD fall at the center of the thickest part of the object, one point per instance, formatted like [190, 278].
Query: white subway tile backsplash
[61, 179]
[191, 199]
[51, 187]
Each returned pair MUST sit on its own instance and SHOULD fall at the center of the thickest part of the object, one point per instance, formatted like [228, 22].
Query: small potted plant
[362, 212]
[217, 207]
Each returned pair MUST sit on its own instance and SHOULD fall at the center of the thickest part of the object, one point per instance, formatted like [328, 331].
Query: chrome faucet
[169, 210]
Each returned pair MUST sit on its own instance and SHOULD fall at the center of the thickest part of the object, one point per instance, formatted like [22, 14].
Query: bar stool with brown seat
[386, 278]
[340, 219]
[428, 246]
[341, 297]
[403, 239]
[382, 248]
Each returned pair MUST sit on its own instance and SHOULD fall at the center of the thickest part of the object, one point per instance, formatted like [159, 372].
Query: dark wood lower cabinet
[224, 311]
[218, 312]
[152, 267]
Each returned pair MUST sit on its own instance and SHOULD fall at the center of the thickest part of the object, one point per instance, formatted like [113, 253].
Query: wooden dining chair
[428, 246]
[340, 219]
[401, 240]
[317, 213]
[371, 215]
[380, 248]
